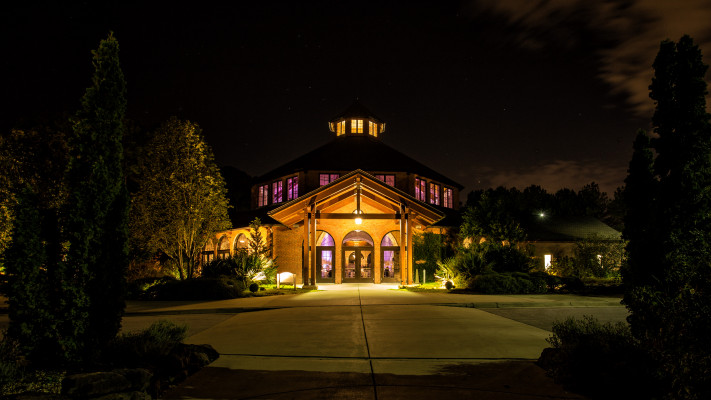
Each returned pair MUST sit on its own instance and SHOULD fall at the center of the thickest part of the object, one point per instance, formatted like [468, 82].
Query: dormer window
[356, 126]
[372, 128]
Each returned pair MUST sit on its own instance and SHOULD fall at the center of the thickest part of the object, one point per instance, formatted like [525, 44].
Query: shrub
[508, 283]
[552, 282]
[198, 289]
[254, 287]
[144, 346]
[599, 359]
[139, 288]
[469, 263]
[506, 258]
[10, 369]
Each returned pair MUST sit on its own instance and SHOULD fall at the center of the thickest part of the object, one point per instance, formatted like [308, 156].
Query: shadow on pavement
[509, 380]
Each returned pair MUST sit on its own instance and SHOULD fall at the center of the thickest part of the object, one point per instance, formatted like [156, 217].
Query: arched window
[325, 256]
[223, 249]
[390, 240]
[208, 252]
[241, 243]
[357, 238]
[325, 239]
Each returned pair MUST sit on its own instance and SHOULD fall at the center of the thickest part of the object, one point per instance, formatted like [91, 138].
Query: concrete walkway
[364, 341]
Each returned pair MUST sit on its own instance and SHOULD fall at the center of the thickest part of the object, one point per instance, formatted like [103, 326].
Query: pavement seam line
[367, 346]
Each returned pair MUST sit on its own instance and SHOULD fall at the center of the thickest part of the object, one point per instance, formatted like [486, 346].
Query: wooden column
[313, 245]
[410, 252]
[305, 261]
[403, 240]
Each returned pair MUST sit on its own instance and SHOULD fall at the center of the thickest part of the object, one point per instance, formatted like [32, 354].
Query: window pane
[277, 192]
[434, 194]
[263, 195]
[356, 126]
[292, 188]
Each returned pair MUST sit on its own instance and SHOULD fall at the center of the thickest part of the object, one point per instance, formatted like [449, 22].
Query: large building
[347, 211]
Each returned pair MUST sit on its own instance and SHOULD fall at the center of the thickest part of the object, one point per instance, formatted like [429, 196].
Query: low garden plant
[599, 360]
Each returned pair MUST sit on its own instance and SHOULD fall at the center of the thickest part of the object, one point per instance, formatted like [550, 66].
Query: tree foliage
[32, 323]
[36, 159]
[669, 224]
[97, 206]
[181, 200]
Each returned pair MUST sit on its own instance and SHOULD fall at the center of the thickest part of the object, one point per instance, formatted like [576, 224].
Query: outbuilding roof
[562, 229]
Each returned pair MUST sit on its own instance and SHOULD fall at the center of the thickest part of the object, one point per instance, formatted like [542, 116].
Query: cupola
[356, 120]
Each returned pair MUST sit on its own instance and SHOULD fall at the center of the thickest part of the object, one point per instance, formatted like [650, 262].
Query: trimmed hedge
[509, 283]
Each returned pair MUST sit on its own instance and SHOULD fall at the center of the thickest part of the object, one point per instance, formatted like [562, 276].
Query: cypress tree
[96, 216]
[644, 254]
[669, 219]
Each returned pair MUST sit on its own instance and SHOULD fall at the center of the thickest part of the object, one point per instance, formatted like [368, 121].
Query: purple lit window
[420, 189]
[434, 193]
[327, 240]
[388, 179]
[277, 192]
[292, 188]
[325, 179]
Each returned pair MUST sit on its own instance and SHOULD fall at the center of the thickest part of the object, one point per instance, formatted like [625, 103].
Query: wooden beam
[352, 216]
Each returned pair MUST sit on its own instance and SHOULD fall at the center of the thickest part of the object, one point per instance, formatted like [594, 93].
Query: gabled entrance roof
[387, 200]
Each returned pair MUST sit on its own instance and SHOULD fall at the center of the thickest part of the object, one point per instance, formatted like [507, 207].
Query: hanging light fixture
[358, 212]
[358, 218]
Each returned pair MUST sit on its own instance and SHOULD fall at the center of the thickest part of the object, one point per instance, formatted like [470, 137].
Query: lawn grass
[271, 290]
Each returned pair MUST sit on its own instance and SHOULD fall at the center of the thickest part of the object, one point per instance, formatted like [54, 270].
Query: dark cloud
[557, 174]
[627, 34]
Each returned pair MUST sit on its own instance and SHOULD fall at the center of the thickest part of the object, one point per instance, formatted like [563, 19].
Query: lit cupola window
[356, 120]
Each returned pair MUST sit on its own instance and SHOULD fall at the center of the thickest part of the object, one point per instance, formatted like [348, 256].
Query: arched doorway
[325, 256]
[390, 256]
[357, 257]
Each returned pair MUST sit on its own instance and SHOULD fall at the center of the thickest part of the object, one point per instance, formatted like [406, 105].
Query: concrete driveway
[363, 341]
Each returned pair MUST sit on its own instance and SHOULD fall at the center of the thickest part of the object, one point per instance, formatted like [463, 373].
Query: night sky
[487, 92]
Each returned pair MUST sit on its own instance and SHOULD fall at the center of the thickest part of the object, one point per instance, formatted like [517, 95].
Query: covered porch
[356, 229]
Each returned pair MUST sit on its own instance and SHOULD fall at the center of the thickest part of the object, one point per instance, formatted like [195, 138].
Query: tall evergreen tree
[644, 258]
[97, 211]
[670, 294]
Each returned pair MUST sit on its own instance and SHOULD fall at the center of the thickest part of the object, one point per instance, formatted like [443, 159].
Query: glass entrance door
[357, 265]
[324, 269]
[391, 264]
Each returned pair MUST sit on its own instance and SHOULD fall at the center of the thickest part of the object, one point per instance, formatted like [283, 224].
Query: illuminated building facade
[346, 211]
